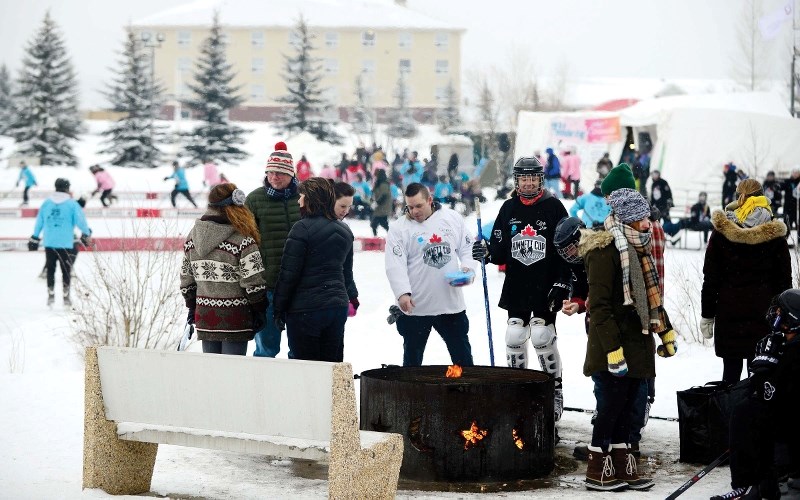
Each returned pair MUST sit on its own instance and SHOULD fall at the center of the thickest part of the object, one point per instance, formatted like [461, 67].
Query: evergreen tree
[6, 103]
[363, 120]
[306, 104]
[401, 121]
[213, 97]
[132, 139]
[449, 116]
[46, 118]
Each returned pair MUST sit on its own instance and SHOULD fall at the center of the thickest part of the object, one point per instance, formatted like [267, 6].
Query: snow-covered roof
[649, 111]
[374, 14]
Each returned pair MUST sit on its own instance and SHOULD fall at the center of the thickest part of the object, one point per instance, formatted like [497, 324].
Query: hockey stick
[188, 330]
[582, 410]
[485, 286]
[705, 470]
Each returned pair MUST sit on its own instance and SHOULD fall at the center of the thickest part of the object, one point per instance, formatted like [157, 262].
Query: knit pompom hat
[629, 205]
[619, 177]
[280, 160]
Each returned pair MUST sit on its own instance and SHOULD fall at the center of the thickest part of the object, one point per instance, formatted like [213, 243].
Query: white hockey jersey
[419, 255]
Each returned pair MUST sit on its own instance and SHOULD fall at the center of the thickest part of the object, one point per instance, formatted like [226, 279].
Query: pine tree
[132, 139]
[46, 117]
[213, 97]
[306, 104]
[6, 102]
[401, 121]
[449, 116]
[363, 120]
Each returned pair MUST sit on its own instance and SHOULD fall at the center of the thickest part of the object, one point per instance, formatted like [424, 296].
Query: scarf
[625, 237]
[282, 194]
[750, 204]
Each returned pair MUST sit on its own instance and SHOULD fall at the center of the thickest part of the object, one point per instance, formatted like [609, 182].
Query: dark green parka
[612, 324]
[274, 218]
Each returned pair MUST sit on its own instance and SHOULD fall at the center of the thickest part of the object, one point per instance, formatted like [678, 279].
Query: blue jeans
[453, 329]
[615, 399]
[317, 335]
[268, 340]
[554, 185]
[639, 410]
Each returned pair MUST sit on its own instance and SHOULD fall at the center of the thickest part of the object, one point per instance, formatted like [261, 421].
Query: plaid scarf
[625, 236]
[281, 194]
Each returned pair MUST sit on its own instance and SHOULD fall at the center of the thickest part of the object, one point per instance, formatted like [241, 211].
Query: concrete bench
[137, 398]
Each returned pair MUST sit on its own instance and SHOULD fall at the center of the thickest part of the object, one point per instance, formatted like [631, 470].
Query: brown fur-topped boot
[625, 468]
[600, 472]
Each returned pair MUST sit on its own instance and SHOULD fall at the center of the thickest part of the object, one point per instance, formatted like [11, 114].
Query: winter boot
[625, 468]
[51, 296]
[634, 449]
[600, 472]
[67, 300]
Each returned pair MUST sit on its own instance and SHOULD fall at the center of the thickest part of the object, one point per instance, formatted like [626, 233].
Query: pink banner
[603, 130]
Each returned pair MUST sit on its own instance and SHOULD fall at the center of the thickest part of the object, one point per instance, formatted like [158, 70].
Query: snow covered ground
[41, 372]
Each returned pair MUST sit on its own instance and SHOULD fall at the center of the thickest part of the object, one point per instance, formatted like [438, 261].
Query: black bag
[704, 415]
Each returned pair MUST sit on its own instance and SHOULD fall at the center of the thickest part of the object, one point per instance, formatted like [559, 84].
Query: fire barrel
[489, 424]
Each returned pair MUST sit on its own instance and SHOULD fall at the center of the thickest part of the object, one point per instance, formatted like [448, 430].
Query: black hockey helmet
[528, 166]
[62, 185]
[566, 238]
[788, 318]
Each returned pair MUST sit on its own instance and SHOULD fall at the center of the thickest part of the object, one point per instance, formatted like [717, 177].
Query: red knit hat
[280, 160]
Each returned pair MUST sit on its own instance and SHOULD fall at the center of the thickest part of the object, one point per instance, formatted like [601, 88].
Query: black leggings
[106, 197]
[224, 347]
[25, 194]
[184, 192]
[64, 258]
[376, 221]
[732, 369]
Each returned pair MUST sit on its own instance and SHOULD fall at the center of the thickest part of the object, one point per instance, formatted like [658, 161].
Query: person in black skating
[537, 280]
[764, 442]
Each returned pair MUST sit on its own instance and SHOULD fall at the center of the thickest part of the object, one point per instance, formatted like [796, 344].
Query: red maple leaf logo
[529, 231]
[435, 239]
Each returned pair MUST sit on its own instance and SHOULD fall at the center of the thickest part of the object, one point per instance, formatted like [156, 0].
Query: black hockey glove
[33, 243]
[280, 320]
[768, 354]
[86, 240]
[394, 313]
[558, 294]
[480, 251]
[190, 316]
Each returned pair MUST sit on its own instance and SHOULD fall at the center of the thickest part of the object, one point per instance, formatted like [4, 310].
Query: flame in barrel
[453, 371]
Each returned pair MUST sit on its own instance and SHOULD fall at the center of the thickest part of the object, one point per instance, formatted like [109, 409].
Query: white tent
[693, 137]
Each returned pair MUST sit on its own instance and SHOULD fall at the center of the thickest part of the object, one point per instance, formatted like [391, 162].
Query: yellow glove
[668, 347]
[616, 363]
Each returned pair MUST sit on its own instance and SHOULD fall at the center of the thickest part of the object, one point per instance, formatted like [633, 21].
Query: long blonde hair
[746, 189]
[240, 216]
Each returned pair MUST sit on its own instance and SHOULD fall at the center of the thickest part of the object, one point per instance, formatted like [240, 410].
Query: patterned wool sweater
[222, 278]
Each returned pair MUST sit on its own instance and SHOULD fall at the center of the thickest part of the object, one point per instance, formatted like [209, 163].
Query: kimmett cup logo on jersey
[436, 253]
[528, 246]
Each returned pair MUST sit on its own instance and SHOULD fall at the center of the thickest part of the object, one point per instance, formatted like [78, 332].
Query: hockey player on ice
[537, 280]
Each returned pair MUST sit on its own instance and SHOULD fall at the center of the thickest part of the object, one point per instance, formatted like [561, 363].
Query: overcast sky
[666, 39]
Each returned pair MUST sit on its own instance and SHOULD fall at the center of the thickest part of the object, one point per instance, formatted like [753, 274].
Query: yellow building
[375, 38]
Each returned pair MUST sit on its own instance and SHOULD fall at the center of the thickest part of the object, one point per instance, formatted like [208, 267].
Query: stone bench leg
[117, 467]
[369, 473]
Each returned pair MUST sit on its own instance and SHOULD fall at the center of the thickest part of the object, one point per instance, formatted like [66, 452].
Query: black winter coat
[522, 238]
[661, 196]
[316, 267]
[744, 268]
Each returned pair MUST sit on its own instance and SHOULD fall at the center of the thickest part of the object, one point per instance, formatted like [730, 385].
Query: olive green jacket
[611, 324]
[274, 219]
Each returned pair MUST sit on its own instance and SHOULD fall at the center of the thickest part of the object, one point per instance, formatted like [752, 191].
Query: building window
[294, 38]
[257, 39]
[368, 38]
[441, 40]
[331, 66]
[331, 96]
[184, 90]
[404, 66]
[184, 63]
[184, 38]
[256, 92]
[442, 66]
[441, 94]
[257, 65]
[368, 66]
[404, 39]
[331, 40]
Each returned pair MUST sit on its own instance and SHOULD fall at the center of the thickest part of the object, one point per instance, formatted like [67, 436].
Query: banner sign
[575, 130]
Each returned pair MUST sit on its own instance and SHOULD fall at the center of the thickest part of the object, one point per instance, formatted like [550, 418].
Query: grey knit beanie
[629, 205]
